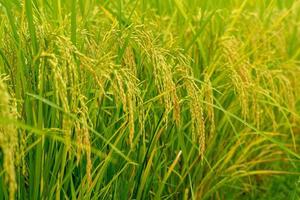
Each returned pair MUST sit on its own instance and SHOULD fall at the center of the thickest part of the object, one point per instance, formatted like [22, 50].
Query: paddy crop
[146, 99]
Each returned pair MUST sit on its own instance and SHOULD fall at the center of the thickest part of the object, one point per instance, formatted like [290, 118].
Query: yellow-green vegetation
[149, 99]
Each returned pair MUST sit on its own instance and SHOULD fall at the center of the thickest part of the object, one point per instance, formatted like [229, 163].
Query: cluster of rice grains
[127, 85]
[257, 76]
[63, 70]
[8, 136]
[175, 82]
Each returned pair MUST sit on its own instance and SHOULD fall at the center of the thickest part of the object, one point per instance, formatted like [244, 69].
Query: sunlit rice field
[150, 99]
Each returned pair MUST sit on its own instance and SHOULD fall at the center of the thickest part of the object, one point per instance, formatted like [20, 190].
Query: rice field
[148, 99]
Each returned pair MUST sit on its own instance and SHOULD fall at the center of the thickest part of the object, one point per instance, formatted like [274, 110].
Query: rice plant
[147, 99]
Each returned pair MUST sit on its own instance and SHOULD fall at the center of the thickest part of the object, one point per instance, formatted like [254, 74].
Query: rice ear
[8, 138]
[208, 97]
